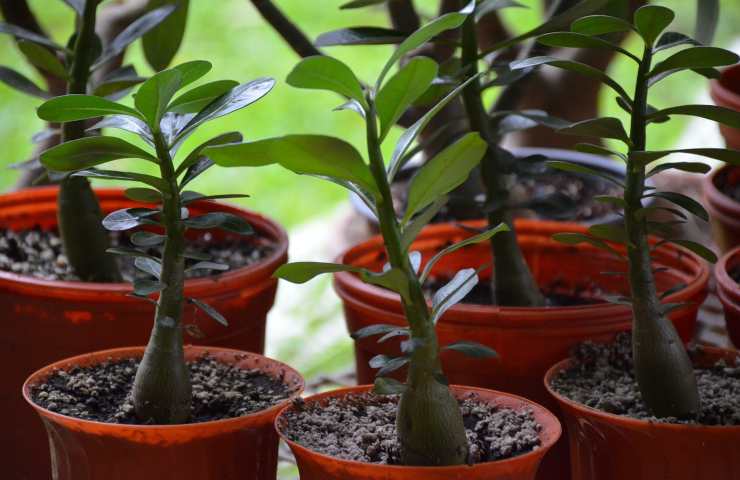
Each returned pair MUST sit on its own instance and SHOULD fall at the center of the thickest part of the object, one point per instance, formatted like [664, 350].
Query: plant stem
[162, 391]
[429, 422]
[512, 283]
[664, 371]
[83, 236]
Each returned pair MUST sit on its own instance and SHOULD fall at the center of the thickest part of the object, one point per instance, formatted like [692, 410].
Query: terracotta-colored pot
[316, 466]
[725, 92]
[528, 340]
[44, 321]
[613, 447]
[724, 211]
[234, 449]
[728, 292]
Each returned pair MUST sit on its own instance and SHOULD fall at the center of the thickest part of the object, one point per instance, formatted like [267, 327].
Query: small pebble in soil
[603, 378]
[103, 392]
[38, 253]
[363, 428]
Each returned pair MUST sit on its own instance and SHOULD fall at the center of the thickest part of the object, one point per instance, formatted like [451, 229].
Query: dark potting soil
[728, 182]
[103, 392]
[363, 428]
[38, 253]
[603, 378]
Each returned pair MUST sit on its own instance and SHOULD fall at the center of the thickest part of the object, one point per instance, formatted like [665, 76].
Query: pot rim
[124, 352]
[346, 391]
[720, 205]
[349, 283]
[724, 281]
[264, 267]
[720, 93]
[625, 420]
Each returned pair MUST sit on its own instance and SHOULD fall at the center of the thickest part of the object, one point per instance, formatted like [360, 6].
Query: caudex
[161, 392]
[663, 369]
[430, 424]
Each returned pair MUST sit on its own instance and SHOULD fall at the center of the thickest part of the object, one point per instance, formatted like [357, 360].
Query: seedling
[430, 424]
[663, 369]
[161, 392]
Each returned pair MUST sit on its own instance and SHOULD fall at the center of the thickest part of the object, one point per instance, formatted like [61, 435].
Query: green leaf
[361, 36]
[327, 73]
[128, 218]
[301, 272]
[126, 123]
[70, 108]
[42, 58]
[189, 197]
[673, 39]
[408, 137]
[580, 40]
[118, 81]
[223, 220]
[153, 181]
[707, 18]
[611, 232]
[153, 96]
[162, 42]
[196, 99]
[607, 127]
[488, 6]
[572, 66]
[651, 20]
[481, 237]
[360, 4]
[600, 25]
[139, 194]
[617, 201]
[19, 82]
[725, 155]
[129, 252]
[195, 154]
[447, 170]
[698, 249]
[414, 227]
[147, 239]
[453, 292]
[22, 33]
[577, 238]
[723, 115]
[411, 81]
[472, 349]
[687, 203]
[691, 167]
[393, 279]
[578, 168]
[207, 265]
[192, 71]
[150, 266]
[388, 386]
[441, 24]
[598, 150]
[387, 364]
[143, 287]
[374, 330]
[695, 57]
[302, 154]
[90, 151]
[210, 311]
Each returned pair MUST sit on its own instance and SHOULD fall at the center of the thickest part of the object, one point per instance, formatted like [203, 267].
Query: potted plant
[618, 438]
[427, 414]
[158, 390]
[727, 273]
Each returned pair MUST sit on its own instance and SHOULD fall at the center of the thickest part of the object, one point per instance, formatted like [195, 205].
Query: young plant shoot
[163, 120]
[83, 66]
[664, 371]
[430, 425]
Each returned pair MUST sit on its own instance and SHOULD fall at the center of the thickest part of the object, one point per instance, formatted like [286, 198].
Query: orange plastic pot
[613, 447]
[528, 340]
[724, 211]
[728, 292]
[234, 449]
[316, 466]
[44, 321]
[725, 92]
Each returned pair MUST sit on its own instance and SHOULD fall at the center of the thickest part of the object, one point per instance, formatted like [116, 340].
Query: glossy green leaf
[472, 349]
[22, 33]
[578, 168]
[352, 105]
[195, 100]
[70, 108]
[691, 167]
[651, 20]
[19, 82]
[673, 39]
[414, 227]
[207, 265]
[129, 252]
[301, 272]
[162, 42]
[489, 6]
[725, 155]
[126, 123]
[453, 292]
[153, 181]
[572, 238]
[42, 58]
[388, 386]
[611, 232]
[90, 151]
[606, 127]
[194, 155]
[155, 94]
[699, 249]
[192, 71]
[402, 89]
[447, 170]
[147, 239]
[143, 287]
[683, 201]
[600, 25]
[599, 150]
[696, 57]
[223, 220]
[128, 218]
[727, 116]
[210, 311]
[361, 4]
[386, 364]
[361, 36]
[327, 73]
[149, 265]
[373, 330]
[393, 279]
[189, 197]
[140, 194]
[580, 40]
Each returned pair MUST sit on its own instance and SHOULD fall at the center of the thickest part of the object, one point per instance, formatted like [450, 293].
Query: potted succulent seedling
[650, 396]
[118, 413]
[421, 430]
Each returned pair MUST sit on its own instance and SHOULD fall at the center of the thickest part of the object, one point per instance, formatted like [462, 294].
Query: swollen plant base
[602, 378]
[102, 392]
[362, 428]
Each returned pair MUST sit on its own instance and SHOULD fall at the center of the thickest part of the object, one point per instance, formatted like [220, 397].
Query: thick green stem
[430, 425]
[83, 236]
[512, 283]
[663, 369]
[162, 392]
